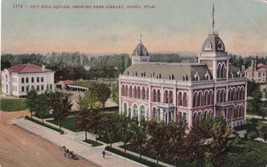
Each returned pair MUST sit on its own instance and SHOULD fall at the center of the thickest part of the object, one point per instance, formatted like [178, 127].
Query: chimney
[43, 67]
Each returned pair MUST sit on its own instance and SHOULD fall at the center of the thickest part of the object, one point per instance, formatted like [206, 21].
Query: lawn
[12, 105]
[69, 123]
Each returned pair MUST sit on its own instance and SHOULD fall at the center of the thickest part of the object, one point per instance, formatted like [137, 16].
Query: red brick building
[184, 91]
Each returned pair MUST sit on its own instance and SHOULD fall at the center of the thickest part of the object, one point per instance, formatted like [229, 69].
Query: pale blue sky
[174, 25]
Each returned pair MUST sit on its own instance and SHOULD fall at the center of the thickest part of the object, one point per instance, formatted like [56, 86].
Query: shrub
[252, 135]
[93, 143]
[132, 157]
[44, 124]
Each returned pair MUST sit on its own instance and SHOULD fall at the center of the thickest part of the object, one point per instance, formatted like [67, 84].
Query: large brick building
[184, 91]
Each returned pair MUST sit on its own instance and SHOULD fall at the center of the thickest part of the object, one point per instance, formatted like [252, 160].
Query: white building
[20, 79]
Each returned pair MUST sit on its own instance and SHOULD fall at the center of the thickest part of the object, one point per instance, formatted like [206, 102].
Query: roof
[27, 68]
[140, 50]
[178, 70]
[213, 43]
[260, 67]
[68, 82]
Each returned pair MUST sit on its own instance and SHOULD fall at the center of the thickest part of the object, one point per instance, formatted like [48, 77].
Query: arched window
[195, 100]
[154, 95]
[142, 112]
[134, 93]
[219, 70]
[143, 93]
[180, 100]
[135, 112]
[223, 71]
[166, 100]
[130, 91]
[206, 98]
[184, 99]
[210, 98]
[158, 96]
[170, 97]
[126, 90]
[200, 99]
[125, 109]
[138, 92]
[122, 90]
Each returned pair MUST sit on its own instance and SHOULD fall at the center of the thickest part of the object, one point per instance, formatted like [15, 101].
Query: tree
[252, 86]
[195, 142]
[115, 93]
[93, 121]
[256, 102]
[101, 92]
[109, 126]
[42, 105]
[31, 101]
[81, 121]
[139, 136]
[176, 144]
[125, 132]
[157, 143]
[60, 105]
[218, 146]
[88, 101]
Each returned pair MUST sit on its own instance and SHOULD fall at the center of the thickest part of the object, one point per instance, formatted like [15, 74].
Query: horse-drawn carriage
[69, 154]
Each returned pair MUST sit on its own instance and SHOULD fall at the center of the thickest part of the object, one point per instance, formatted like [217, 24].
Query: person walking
[104, 153]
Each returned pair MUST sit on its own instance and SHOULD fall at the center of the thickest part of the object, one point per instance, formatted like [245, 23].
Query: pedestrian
[104, 153]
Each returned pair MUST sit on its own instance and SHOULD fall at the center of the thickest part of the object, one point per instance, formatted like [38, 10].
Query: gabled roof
[27, 68]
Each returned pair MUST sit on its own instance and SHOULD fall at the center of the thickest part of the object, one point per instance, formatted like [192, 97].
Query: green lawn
[12, 105]
[69, 123]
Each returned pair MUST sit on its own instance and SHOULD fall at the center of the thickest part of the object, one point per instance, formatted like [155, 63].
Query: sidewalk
[72, 141]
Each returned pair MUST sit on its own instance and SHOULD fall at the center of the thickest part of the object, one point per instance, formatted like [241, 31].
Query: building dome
[140, 50]
[213, 44]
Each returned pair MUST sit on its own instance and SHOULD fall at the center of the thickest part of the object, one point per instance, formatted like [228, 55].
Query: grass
[247, 153]
[69, 123]
[44, 124]
[12, 105]
[132, 157]
[93, 143]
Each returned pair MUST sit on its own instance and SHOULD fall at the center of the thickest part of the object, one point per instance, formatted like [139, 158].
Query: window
[158, 76]
[42, 79]
[37, 79]
[196, 77]
[32, 80]
[158, 94]
[185, 77]
[180, 99]
[32, 87]
[152, 75]
[22, 89]
[27, 88]
[27, 80]
[38, 87]
[185, 99]
[42, 87]
[51, 86]
[171, 77]
[22, 80]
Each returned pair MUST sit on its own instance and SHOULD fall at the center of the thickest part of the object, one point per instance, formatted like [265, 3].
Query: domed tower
[213, 54]
[140, 54]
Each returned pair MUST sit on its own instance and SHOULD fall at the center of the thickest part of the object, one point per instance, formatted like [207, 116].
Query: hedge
[44, 124]
[92, 142]
[132, 157]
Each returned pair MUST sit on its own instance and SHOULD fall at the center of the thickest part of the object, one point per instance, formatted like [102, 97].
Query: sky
[170, 26]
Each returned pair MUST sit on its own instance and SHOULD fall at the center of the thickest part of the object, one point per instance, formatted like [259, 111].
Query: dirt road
[22, 149]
